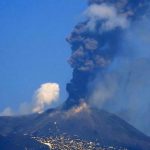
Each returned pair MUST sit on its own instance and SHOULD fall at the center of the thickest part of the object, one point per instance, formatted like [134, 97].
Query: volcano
[82, 122]
[96, 45]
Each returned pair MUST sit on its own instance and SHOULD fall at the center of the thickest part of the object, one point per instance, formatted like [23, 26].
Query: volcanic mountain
[96, 45]
[82, 121]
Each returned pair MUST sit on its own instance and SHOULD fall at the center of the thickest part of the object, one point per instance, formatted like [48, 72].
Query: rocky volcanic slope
[85, 123]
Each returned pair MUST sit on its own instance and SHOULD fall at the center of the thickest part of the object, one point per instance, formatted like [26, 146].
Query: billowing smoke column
[96, 42]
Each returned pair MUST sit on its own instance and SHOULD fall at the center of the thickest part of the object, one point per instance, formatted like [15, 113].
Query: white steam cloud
[7, 112]
[108, 14]
[44, 97]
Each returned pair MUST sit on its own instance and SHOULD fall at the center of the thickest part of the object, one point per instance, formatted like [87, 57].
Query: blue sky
[33, 49]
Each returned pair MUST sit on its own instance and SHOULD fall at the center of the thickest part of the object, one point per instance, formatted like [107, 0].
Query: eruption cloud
[7, 112]
[111, 58]
[43, 98]
[108, 15]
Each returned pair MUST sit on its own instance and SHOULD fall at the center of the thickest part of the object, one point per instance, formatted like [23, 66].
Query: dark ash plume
[95, 42]
[90, 54]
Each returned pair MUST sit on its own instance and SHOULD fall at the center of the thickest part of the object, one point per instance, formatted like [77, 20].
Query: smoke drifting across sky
[108, 15]
[111, 58]
[44, 97]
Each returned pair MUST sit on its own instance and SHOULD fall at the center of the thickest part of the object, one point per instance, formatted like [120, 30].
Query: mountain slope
[84, 122]
[17, 142]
